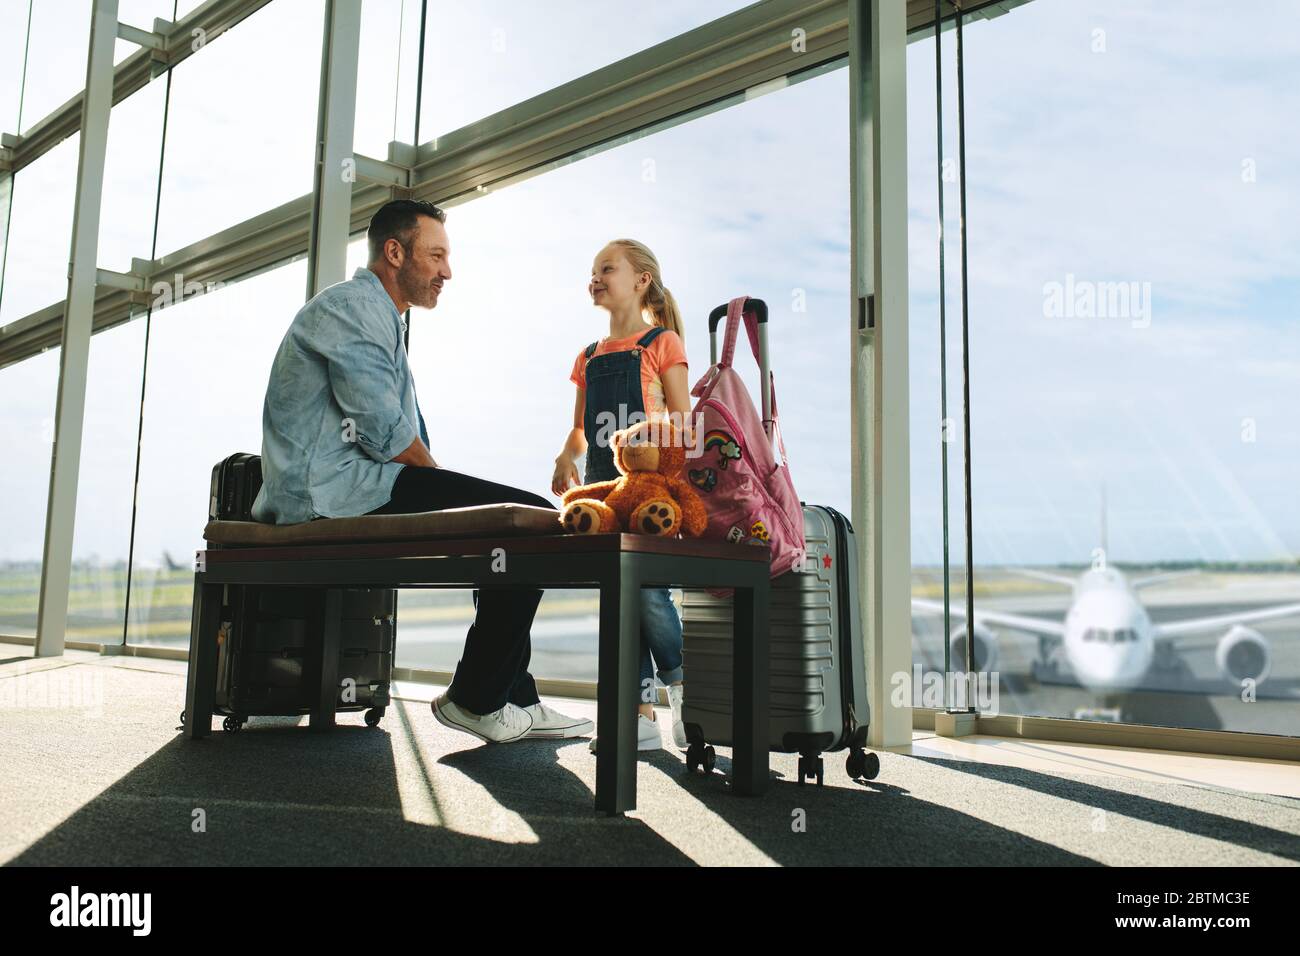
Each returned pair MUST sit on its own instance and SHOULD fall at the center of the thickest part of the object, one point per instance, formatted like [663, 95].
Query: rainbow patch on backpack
[728, 447]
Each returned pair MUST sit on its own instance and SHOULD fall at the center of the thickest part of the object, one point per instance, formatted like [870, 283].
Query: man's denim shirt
[339, 406]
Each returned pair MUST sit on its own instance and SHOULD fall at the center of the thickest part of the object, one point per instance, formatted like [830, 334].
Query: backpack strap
[590, 350]
[736, 314]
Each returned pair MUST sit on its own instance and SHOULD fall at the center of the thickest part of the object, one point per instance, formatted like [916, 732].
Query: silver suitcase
[817, 685]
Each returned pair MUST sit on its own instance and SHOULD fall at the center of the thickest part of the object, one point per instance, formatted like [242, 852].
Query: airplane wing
[1137, 583]
[1046, 576]
[1021, 622]
[1202, 625]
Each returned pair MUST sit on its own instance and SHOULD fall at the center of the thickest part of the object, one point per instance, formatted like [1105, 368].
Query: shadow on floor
[278, 794]
[1183, 818]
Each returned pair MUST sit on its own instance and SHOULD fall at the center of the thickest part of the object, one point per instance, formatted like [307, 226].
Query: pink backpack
[749, 496]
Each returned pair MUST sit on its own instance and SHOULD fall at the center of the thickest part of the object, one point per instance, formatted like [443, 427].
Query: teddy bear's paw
[660, 516]
[582, 517]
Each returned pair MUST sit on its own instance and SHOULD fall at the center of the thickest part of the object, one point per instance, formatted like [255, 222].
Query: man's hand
[416, 454]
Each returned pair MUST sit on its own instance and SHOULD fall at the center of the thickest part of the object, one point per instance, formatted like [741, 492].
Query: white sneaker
[552, 724]
[499, 727]
[675, 697]
[647, 735]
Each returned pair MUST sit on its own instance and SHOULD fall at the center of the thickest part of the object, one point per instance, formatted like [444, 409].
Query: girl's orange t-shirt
[663, 353]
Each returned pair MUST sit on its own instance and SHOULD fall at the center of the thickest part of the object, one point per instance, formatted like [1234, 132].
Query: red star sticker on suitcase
[826, 560]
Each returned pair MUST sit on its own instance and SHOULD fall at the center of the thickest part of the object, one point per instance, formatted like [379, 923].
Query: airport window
[484, 57]
[387, 68]
[1131, 340]
[126, 218]
[225, 162]
[209, 359]
[40, 233]
[101, 537]
[1094, 456]
[53, 41]
[13, 38]
[27, 393]
[774, 227]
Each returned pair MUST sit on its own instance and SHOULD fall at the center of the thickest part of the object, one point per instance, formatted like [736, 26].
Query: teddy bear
[648, 498]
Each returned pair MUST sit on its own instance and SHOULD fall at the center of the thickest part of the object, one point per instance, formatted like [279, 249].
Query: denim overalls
[614, 387]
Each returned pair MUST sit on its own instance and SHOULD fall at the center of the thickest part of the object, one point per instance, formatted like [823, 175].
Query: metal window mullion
[74, 357]
[878, 353]
[331, 218]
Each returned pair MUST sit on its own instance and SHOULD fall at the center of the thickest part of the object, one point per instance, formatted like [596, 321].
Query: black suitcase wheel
[232, 725]
[182, 718]
[701, 755]
[373, 716]
[862, 765]
[871, 768]
[810, 767]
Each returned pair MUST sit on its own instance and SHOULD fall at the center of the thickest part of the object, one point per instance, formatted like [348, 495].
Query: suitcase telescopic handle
[759, 308]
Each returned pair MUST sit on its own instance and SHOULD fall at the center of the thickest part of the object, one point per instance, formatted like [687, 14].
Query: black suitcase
[235, 483]
[269, 656]
[268, 662]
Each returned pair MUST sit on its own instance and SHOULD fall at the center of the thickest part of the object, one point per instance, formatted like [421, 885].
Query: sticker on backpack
[728, 447]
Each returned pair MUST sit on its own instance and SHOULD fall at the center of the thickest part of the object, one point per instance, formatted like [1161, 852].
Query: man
[342, 435]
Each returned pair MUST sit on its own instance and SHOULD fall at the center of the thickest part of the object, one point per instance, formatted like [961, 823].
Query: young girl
[640, 370]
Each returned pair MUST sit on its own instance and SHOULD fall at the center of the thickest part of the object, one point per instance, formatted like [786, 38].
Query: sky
[1106, 142]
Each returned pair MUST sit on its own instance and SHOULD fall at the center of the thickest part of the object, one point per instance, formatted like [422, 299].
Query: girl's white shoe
[675, 697]
[647, 735]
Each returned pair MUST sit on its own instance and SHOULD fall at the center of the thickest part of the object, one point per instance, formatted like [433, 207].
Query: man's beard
[413, 290]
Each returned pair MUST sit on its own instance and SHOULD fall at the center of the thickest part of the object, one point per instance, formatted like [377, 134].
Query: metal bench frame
[618, 565]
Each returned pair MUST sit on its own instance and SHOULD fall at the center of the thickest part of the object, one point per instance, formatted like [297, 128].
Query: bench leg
[322, 714]
[749, 679]
[201, 679]
[620, 642]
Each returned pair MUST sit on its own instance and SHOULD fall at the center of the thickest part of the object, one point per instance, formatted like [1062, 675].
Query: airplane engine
[986, 649]
[1242, 654]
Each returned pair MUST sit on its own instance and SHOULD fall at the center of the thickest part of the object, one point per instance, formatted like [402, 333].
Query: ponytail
[658, 300]
[665, 309]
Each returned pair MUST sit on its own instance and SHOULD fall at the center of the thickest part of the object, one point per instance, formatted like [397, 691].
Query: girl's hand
[566, 475]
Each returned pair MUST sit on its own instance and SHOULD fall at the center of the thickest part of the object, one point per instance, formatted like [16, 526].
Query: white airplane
[1107, 636]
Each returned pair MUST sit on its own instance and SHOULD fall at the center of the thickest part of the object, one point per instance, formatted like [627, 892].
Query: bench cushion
[481, 521]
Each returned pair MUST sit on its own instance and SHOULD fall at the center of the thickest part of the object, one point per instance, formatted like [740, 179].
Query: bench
[499, 546]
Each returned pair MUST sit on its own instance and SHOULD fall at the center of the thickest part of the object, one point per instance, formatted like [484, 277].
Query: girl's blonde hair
[657, 298]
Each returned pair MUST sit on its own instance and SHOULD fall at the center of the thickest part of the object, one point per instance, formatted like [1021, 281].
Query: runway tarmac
[1192, 694]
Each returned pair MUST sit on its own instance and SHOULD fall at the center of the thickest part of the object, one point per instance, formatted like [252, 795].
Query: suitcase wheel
[232, 725]
[809, 767]
[182, 718]
[373, 716]
[862, 765]
[701, 755]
